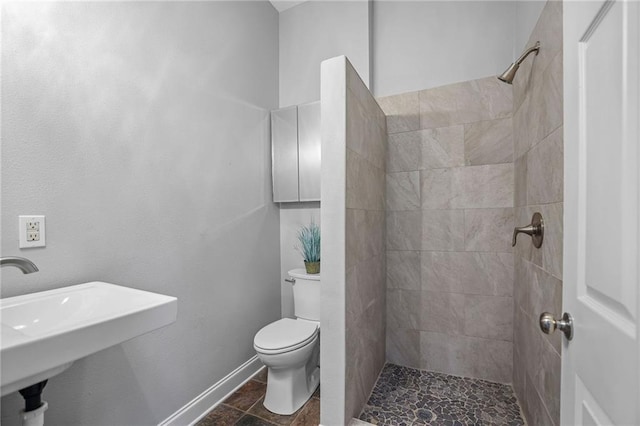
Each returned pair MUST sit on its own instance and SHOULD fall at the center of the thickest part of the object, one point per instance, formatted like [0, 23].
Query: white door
[600, 366]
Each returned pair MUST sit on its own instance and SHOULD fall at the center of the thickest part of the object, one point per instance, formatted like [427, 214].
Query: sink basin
[43, 333]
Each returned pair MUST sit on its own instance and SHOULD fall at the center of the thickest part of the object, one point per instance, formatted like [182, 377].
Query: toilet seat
[285, 335]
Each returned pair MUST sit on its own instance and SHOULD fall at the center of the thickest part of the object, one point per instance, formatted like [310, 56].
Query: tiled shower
[449, 222]
[467, 163]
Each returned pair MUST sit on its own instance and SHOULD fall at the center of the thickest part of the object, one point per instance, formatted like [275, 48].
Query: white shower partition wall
[354, 144]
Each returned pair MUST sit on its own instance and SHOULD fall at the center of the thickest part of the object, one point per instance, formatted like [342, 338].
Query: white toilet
[290, 348]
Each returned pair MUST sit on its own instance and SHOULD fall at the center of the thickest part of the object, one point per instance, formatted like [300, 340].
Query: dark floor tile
[247, 395]
[259, 410]
[261, 376]
[249, 420]
[222, 415]
[316, 394]
[309, 414]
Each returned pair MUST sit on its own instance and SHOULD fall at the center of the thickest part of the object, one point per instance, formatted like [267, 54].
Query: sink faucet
[25, 265]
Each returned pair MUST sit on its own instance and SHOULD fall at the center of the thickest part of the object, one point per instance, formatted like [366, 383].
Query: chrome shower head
[510, 73]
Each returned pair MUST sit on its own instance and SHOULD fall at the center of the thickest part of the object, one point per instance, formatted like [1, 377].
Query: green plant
[309, 238]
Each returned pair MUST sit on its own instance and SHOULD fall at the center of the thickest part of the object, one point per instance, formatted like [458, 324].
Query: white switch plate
[31, 231]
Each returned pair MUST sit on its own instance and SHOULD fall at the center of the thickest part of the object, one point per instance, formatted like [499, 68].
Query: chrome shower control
[548, 324]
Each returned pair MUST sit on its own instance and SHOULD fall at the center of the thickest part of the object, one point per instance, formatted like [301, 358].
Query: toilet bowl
[290, 348]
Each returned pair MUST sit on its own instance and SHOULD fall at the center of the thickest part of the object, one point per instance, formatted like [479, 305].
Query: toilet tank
[306, 294]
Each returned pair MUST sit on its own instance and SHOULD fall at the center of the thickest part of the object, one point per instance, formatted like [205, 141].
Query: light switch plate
[31, 230]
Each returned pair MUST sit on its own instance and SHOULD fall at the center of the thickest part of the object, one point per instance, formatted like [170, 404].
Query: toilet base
[289, 389]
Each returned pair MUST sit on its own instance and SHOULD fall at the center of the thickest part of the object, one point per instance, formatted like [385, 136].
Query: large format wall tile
[436, 188]
[405, 152]
[362, 149]
[450, 197]
[442, 147]
[477, 100]
[552, 100]
[404, 230]
[442, 230]
[468, 356]
[520, 181]
[442, 312]
[488, 142]
[403, 191]
[521, 118]
[403, 347]
[538, 152]
[364, 238]
[488, 229]
[467, 272]
[488, 317]
[426, 149]
[403, 270]
[487, 186]
[403, 309]
[365, 183]
[366, 134]
[545, 170]
[438, 107]
[402, 111]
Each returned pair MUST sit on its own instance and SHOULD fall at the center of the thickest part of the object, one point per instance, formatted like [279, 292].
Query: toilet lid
[285, 333]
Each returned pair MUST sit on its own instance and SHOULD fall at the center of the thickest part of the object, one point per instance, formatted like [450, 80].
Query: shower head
[510, 73]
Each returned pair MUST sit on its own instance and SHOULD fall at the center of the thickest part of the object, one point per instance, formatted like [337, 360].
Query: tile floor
[406, 396]
[244, 408]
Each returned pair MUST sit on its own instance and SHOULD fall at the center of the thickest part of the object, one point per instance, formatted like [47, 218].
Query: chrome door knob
[548, 324]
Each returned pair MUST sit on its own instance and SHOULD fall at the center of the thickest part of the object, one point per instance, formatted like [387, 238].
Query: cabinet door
[284, 152]
[309, 151]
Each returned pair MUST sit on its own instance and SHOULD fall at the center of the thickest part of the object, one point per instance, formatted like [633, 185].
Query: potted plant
[309, 248]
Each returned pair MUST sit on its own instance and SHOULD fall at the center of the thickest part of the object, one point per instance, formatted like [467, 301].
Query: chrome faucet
[25, 265]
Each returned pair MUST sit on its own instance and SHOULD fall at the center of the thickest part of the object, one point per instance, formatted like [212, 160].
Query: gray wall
[141, 131]
[422, 44]
[314, 31]
[449, 223]
[539, 153]
[292, 217]
[527, 14]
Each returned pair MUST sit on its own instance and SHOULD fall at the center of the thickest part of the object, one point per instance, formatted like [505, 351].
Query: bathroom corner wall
[449, 203]
[538, 149]
[354, 147]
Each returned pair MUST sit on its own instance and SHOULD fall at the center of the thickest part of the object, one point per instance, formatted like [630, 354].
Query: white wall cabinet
[295, 145]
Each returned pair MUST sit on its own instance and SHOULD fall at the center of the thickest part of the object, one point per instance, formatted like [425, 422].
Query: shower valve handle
[535, 230]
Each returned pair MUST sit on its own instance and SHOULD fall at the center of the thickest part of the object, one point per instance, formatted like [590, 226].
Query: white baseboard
[207, 400]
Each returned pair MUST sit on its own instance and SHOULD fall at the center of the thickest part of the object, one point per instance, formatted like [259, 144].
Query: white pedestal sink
[43, 333]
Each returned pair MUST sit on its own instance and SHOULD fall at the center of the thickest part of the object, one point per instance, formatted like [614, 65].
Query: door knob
[535, 230]
[548, 324]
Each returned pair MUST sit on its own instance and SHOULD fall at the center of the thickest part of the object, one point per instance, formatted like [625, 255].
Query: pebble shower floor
[406, 396]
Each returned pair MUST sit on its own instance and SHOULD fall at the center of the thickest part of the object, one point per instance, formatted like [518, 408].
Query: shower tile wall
[539, 187]
[354, 145]
[450, 192]
[366, 144]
